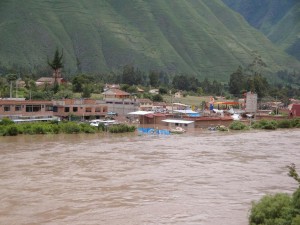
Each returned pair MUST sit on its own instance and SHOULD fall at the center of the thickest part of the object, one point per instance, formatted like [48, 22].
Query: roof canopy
[227, 103]
[178, 121]
[188, 111]
[140, 113]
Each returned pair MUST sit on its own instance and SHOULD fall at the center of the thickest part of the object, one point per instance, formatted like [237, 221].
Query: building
[84, 108]
[16, 109]
[111, 86]
[178, 94]
[51, 80]
[115, 94]
[144, 104]
[251, 102]
[295, 110]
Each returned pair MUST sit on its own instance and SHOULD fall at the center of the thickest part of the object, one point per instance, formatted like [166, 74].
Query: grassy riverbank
[9, 128]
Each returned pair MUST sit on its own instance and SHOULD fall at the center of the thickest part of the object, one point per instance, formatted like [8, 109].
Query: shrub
[70, 127]
[11, 130]
[284, 124]
[6, 121]
[86, 128]
[295, 122]
[121, 128]
[272, 210]
[237, 125]
[265, 124]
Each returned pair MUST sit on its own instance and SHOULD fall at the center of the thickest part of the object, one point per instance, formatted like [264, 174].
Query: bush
[6, 121]
[284, 124]
[295, 122]
[272, 210]
[11, 130]
[121, 128]
[70, 127]
[86, 128]
[265, 124]
[237, 125]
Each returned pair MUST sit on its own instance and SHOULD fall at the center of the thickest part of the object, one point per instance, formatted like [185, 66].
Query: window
[49, 108]
[75, 109]
[67, 109]
[88, 109]
[33, 108]
[6, 108]
[18, 108]
[55, 109]
[98, 109]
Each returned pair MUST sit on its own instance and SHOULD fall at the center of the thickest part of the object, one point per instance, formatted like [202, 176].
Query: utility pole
[10, 90]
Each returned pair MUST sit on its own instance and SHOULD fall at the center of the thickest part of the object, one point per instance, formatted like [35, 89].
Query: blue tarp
[153, 131]
[194, 114]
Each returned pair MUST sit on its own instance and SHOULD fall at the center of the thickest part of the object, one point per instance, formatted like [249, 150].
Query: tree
[87, 91]
[157, 98]
[278, 209]
[56, 64]
[154, 79]
[236, 82]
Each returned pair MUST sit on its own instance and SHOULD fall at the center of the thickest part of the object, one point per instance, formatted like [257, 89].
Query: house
[144, 104]
[111, 86]
[115, 94]
[178, 94]
[294, 110]
[51, 80]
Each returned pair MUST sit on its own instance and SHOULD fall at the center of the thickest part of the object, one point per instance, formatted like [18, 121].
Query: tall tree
[237, 82]
[56, 64]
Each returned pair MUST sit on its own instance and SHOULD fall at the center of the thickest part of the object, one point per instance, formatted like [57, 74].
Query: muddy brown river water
[207, 178]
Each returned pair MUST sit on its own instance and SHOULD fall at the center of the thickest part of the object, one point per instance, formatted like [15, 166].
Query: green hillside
[201, 37]
[278, 20]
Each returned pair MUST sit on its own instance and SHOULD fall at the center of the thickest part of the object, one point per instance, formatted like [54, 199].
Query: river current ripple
[207, 178]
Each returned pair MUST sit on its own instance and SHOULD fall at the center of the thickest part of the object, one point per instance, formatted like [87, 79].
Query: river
[207, 178]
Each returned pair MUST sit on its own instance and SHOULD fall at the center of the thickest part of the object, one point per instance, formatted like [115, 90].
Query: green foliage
[6, 121]
[154, 78]
[11, 130]
[87, 91]
[265, 124]
[121, 128]
[272, 210]
[70, 127]
[56, 63]
[278, 209]
[157, 98]
[237, 125]
[284, 124]
[86, 128]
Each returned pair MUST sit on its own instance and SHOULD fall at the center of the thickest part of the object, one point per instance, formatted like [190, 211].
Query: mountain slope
[202, 37]
[278, 20]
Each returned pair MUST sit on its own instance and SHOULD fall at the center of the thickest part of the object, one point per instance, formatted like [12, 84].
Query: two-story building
[84, 108]
[21, 109]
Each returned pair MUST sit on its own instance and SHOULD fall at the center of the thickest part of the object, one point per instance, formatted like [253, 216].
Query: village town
[118, 106]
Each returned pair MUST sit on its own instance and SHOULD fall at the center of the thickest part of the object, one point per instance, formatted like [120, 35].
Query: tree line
[242, 80]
